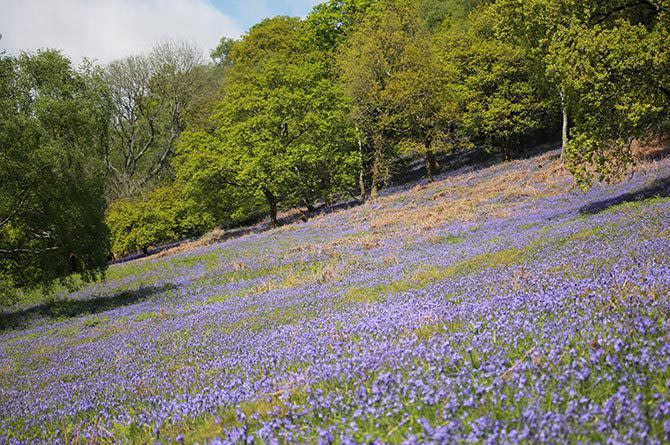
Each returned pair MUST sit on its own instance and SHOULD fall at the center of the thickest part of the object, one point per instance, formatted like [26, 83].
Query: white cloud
[109, 29]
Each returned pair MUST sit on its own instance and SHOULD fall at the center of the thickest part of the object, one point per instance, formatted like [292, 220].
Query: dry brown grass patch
[553, 171]
[462, 203]
[215, 236]
[656, 148]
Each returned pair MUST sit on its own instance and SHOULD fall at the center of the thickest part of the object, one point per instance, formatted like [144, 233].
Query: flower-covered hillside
[497, 305]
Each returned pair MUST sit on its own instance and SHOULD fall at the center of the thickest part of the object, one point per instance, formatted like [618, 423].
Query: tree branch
[22, 200]
[15, 251]
[600, 18]
[152, 135]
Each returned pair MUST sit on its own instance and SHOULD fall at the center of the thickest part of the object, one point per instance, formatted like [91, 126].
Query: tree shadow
[70, 308]
[410, 170]
[659, 188]
[470, 160]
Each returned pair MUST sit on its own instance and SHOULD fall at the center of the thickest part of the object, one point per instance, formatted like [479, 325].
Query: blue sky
[106, 30]
[252, 11]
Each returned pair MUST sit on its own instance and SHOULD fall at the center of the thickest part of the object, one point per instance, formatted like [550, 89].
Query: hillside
[498, 304]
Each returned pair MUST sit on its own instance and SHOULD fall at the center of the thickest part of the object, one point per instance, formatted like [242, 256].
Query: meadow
[500, 304]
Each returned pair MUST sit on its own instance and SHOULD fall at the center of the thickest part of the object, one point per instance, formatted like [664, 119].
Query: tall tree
[612, 63]
[51, 192]
[424, 97]
[278, 131]
[331, 23]
[221, 54]
[373, 54]
[150, 95]
[502, 103]
[327, 29]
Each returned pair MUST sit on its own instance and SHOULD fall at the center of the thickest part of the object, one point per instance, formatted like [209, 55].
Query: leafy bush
[163, 215]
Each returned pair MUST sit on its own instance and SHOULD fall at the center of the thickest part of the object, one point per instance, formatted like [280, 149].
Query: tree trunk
[377, 166]
[429, 168]
[506, 150]
[374, 189]
[74, 264]
[361, 171]
[565, 134]
[361, 184]
[520, 147]
[272, 202]
[432, 166]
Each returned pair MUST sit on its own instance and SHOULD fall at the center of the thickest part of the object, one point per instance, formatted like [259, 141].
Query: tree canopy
[51, 172]
[279, 131]
[150, 99]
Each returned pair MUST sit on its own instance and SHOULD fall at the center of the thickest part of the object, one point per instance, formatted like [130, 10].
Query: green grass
[210, 259]
[426, 275]
[145, 316]
[275, 277]
[448, 239]
[95, 321]
[428, 331]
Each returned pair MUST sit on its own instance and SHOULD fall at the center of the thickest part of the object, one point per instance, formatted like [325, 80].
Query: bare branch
[15, 251]
[149, 95]
[22, 200]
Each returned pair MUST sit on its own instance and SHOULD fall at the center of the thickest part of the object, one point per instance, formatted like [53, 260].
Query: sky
[106, 30]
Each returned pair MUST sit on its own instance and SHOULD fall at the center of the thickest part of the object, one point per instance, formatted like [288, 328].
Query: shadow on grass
[412, 171]
[659, 188]
[69, 308]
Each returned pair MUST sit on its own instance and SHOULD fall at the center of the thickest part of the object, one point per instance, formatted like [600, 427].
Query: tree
[330, 24]
[51, 188]
[150, 98]
[278, 131]
[606, 61]
[221, 54]
[502, 102]
[617, 85]
[327, 29]
[435, 12]
[424, 97]
[373, 54]
[609, 72]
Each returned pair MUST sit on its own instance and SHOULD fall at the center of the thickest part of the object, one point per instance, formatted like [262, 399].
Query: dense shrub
[163, 215]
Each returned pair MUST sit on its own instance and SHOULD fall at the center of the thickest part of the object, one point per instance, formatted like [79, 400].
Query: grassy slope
[497, 303]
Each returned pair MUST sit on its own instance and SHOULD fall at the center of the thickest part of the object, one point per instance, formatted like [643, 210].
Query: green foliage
[206, 174]
[424, 98]
[163, 215]
[436, 12]
[607, 61]
[607, 71]
[331, 23]
[500, 99]
[374, 54]
[279, 132]
[51, 187]
[221, 54]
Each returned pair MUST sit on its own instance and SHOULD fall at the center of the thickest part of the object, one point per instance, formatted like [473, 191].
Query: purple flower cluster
[548, 324]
